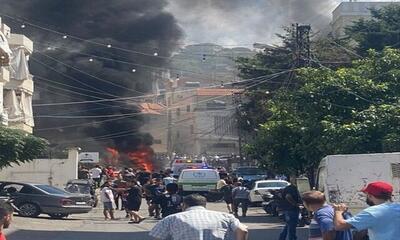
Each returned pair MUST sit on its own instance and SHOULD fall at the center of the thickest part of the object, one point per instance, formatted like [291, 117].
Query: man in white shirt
[95, 174]
[107, 198]
[198, 223]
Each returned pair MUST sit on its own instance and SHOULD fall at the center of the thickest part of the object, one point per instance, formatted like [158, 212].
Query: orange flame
[113, 160]
[141, 158]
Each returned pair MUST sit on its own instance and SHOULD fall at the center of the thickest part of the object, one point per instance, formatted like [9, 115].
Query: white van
[198, 180]
[341, 177]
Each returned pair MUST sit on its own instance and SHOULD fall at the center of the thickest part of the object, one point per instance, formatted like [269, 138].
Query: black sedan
[32, 200]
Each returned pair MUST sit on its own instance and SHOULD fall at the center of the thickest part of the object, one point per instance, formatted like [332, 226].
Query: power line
[90, 75]
[133, 114]
[72, 92]
[69, 36]
[72, 78]
[114, 136]
[150, 95]
[130, 63]
[80, 124]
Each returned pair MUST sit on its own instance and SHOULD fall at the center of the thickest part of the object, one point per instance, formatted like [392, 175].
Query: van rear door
[198, 180]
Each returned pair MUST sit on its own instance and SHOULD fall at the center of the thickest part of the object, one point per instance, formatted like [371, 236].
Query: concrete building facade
[348, 12]
[156, 124]
[16, 83]
[203, 122]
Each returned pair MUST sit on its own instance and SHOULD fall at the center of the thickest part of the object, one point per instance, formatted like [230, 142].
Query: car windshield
[272, 184]
[250, 171]
[51, 190]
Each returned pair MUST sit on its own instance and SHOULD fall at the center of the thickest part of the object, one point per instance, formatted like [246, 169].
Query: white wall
[54, 172]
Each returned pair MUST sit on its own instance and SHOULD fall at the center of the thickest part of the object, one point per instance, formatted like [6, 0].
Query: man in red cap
[382, 219]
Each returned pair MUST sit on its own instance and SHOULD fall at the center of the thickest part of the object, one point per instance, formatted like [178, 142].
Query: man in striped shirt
[198, 223]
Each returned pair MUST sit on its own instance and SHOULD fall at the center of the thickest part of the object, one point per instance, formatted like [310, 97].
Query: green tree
[17, 147]
[344, 111]
[381, 31]
[280, 59]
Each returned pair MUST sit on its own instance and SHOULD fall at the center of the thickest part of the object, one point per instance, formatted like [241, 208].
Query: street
[93, 226]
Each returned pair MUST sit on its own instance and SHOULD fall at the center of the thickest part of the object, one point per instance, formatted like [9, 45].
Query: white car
[263, 186]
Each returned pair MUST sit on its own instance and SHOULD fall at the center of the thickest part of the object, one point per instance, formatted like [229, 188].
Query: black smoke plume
[137, 25]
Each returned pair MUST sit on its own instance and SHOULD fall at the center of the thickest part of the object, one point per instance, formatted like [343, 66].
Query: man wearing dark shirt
[171, 201]
[291, 207]
[156, 192]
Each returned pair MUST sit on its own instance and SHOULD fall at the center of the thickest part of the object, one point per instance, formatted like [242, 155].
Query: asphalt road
[92, 226]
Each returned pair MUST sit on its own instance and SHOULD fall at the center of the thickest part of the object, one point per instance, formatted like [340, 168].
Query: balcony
[20, 40]
[21, 126]
[26, 85]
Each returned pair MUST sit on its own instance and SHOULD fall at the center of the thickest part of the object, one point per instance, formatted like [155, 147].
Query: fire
[114, 156]
[143, 157]
[140, 158]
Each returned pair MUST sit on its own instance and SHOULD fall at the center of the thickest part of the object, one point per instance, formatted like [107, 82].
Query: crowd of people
[187, 217]
[380, 221]
[124, 190]
[161, 193]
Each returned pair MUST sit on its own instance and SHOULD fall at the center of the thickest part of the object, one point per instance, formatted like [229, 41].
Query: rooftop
[151, 108]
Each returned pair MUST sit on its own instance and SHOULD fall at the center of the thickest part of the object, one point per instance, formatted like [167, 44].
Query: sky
[243, 22]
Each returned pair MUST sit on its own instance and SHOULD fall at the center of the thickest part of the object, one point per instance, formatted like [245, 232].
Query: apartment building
[16, 82]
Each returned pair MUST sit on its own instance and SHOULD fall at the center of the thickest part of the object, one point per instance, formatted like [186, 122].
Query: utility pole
[302, 53]
[237, 101]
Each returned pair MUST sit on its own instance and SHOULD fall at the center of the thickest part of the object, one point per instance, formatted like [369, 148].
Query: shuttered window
[396, 170]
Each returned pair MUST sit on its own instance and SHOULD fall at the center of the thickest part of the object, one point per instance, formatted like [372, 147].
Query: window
[11, 189]
[178, 112]
[216, 105]
[188, 108]
[178, 134]
[396, 170]
[199, 175]
[51, 190]
[191, 129]
[157, 141]
[224, 126]
[29, 190]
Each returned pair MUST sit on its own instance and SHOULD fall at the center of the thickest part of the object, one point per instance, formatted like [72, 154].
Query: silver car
[32, 200]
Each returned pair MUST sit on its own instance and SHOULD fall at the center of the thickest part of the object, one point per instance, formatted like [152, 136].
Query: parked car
[250, 174]
[263, 187]
[32, 200]
[85, 187]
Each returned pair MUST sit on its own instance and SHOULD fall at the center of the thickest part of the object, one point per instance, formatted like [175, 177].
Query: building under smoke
[97, 57]
[87, 51]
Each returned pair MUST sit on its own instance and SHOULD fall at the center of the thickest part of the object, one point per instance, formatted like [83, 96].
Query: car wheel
[58, 215]
[29, 210]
